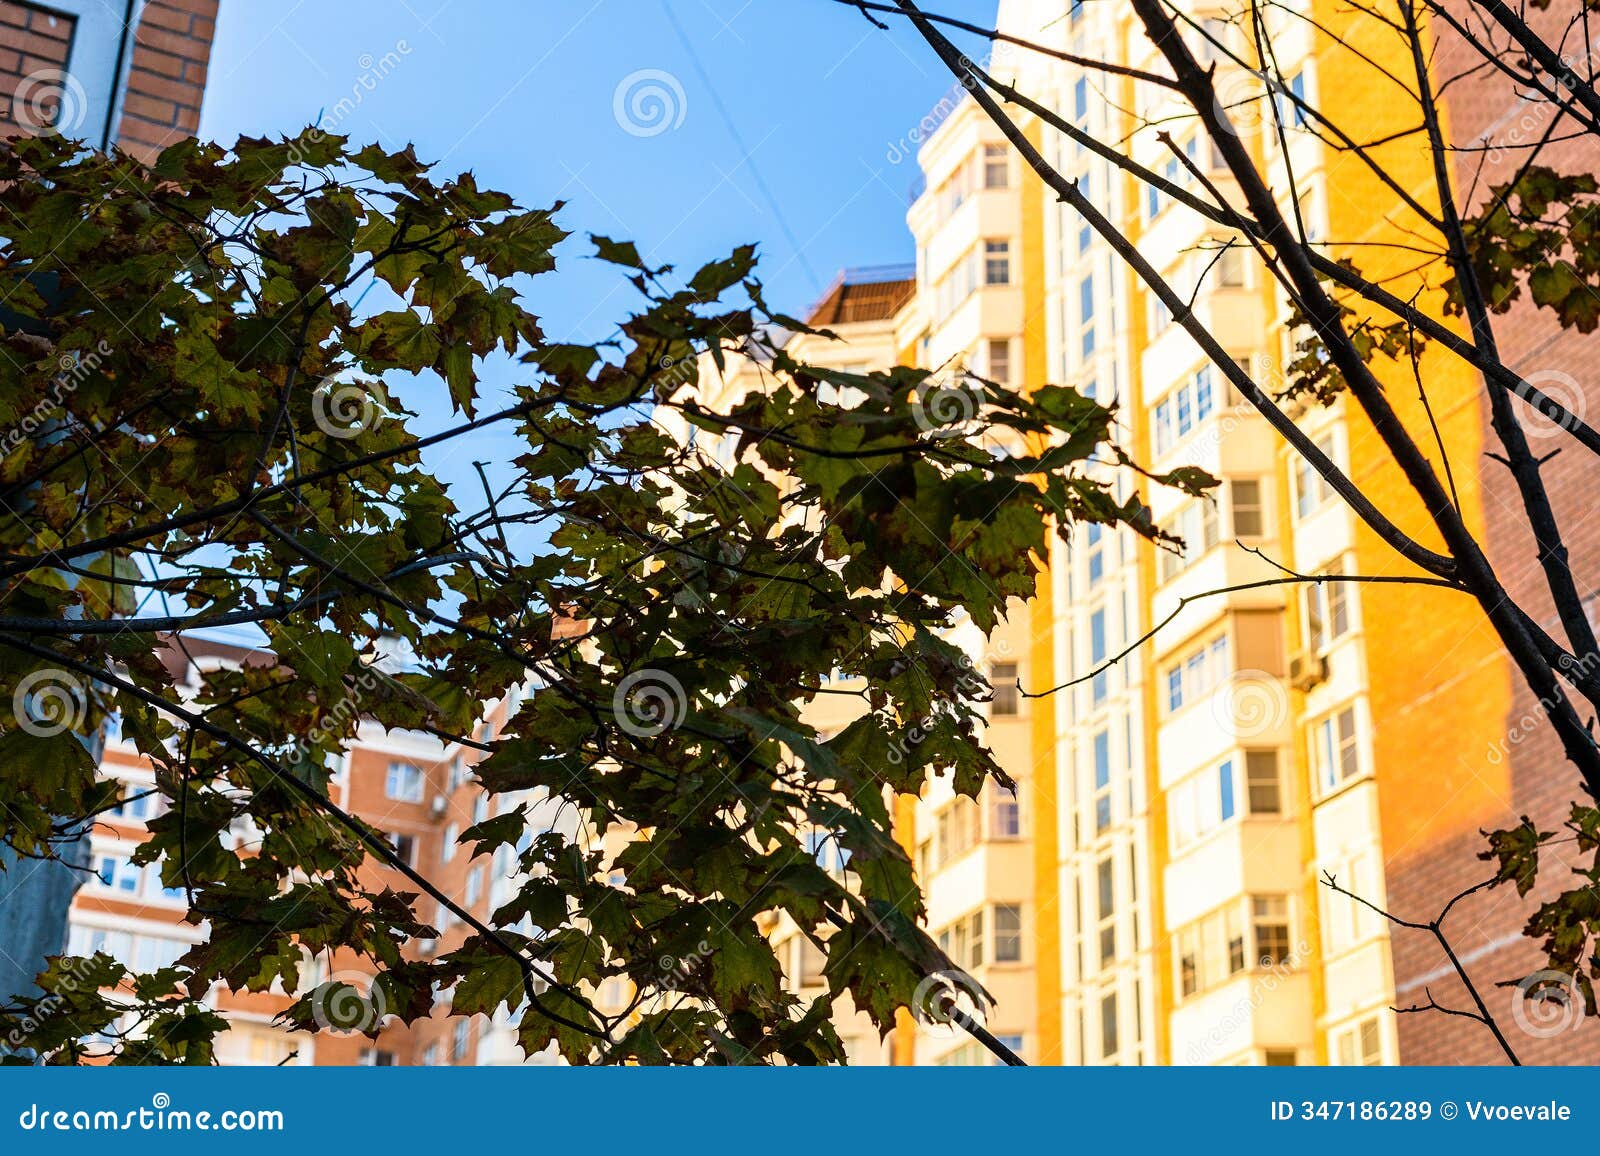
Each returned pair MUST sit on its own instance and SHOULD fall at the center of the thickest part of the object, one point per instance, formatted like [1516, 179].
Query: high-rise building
[414, 787]
[1211, 777]
[1190, 789]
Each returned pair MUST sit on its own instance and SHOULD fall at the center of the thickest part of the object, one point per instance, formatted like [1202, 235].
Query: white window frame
[395, 782]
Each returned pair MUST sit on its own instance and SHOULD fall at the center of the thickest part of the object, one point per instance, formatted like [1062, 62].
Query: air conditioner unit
[1307, 671]
[439, 806]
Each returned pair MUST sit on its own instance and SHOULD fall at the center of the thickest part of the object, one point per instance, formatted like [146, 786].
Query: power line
[749, 157]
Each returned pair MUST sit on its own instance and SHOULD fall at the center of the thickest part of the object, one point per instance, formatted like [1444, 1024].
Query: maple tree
[230, 450]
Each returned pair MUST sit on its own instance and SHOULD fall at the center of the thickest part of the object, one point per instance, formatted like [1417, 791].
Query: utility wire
[738, 141]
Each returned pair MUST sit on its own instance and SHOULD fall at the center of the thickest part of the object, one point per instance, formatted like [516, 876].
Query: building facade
[1211, 779]
[129, 73]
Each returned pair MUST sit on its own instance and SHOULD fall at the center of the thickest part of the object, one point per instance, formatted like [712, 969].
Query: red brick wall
[167, 76]
[33, 48]
[1484, 110]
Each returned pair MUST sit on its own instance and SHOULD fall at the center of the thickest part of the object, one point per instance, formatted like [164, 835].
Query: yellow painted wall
[1439, 685]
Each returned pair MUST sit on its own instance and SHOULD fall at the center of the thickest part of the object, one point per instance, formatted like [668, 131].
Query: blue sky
[781, 121]
[786, 124]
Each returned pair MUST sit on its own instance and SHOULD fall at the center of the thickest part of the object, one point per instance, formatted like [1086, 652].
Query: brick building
[129, 72]
[1525, 771]
[413, 787]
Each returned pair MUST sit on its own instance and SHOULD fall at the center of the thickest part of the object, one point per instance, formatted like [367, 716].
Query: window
[117, 873]
[405, 848]
[824, 847]
[1008, 934]
[1099, 684]
[1101, 745]
[1269, 920]
[480, 809]
[1229, 268]
[1197, 524]
[956, 831]
[1108, 1025]
[404, 783]
[1006, 701]
[1281, 1058]
[1262, 783]
[1094, 552]
[447, 845]
[376, 1058]
[1086, 316]
[135, 807]
[1245, 934]
[1335, 757]
[1197, 673]
[956, 285]
[1188, 956]
[1202, 803]
[154, 952]
[430, 1056]
[962, 940]
[999, 350]
[1311, 490]
[1289, 95]
[474, 890]
[1345, 922]
[1006, 815]
[1106, 898]
[1327, 610]
[1360, 1045]
[1187, 406]
[1176, 173]
[996, 167]
[1249, 515]
[997, 262]
[460, 1039]
[812, 962]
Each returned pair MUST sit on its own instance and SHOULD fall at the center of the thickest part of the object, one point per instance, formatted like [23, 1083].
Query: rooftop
[868, 294]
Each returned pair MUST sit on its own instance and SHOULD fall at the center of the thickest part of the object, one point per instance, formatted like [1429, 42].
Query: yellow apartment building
[1152, 894]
